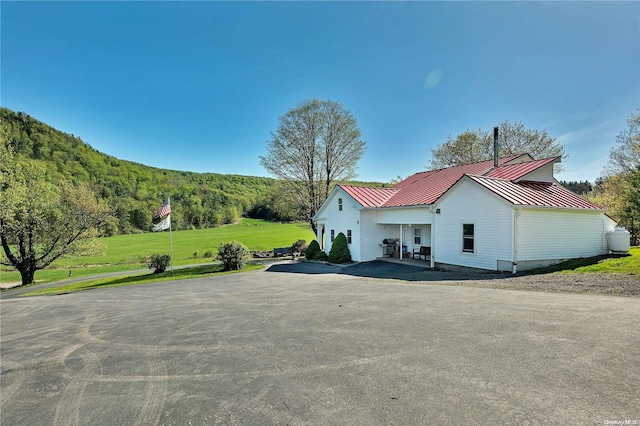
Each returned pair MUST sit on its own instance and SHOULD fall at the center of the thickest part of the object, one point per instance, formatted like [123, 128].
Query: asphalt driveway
[293, 346]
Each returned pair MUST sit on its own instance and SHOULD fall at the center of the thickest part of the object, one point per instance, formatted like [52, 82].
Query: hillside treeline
[134, 191]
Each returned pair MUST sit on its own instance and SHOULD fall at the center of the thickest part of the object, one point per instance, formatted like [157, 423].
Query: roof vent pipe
[495, 147]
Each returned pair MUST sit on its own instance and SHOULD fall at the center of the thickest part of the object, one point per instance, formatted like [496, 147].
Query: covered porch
[411, 242]
[406, 261]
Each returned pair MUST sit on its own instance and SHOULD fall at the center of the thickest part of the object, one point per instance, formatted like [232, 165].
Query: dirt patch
[5, 286]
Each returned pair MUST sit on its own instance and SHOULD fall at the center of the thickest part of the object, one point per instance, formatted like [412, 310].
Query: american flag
[162, 211]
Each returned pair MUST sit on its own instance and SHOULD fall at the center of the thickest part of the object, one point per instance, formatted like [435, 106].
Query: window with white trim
[468, 237]
[333, 235]
[348, 236]
[339, 204]
[417, 236]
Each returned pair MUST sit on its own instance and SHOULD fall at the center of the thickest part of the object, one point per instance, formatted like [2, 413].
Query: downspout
[516, 213]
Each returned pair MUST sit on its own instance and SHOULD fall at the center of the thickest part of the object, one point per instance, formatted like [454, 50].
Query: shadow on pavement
[383, 270]
[311, 268]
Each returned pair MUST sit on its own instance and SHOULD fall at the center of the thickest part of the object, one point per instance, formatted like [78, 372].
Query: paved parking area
[291, 345]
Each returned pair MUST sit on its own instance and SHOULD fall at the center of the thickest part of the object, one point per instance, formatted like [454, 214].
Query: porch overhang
[409, 215]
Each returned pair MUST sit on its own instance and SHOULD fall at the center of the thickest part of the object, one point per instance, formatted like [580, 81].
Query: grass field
[125, 252]
[605, 264]
[146, 278]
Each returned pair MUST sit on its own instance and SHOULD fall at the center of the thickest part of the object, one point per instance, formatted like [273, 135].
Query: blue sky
[199, 86]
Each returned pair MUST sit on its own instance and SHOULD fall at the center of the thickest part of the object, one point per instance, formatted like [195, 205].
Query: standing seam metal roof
[426, 188]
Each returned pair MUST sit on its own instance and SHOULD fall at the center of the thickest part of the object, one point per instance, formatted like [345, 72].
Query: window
[333, 235]
[348, 236]
[468, 233]
[417, 236]
[339, 204]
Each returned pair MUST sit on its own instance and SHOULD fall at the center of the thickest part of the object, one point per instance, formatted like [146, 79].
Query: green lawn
[125, 252]
[607, 264]
[146, 278]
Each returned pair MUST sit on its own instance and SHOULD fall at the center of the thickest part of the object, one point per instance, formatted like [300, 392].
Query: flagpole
[170, 238]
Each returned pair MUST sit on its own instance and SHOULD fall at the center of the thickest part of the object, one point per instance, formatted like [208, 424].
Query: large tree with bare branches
[316, 145]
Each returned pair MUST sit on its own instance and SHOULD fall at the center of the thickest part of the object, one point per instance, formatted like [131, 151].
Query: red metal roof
[427, 187]
[369, 197]
[541, 194]
[519, 170]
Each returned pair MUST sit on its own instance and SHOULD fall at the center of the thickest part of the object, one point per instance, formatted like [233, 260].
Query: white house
[509, 217]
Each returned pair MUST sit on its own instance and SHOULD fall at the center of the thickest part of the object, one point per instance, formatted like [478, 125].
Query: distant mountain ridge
[135, 191]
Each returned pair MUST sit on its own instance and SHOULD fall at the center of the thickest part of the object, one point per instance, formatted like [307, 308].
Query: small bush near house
[321, 256]
[310, 252]
[158, 262]
[233, 255]
[340, 250]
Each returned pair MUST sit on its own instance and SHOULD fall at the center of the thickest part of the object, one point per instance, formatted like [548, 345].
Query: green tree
[579, 187]
[477, 145]
[316, 144]
[40, 221]
[199, 200]
[618, 190]
[624, 157]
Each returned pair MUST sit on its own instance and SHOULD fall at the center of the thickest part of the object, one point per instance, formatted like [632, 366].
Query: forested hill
[134, 190]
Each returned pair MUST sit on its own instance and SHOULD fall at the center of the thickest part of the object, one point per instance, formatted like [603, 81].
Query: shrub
[233, 255]
[312, 250]
[298, 246]
[158, 262]
[340, 250]
[196, 254]
[321, 256]
[207, 254]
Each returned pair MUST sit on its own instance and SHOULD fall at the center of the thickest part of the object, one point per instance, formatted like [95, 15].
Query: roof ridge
[488, 177]
[368, 187]
[510, 157]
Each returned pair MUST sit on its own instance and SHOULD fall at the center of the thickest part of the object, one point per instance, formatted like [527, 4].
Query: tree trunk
[28, 273]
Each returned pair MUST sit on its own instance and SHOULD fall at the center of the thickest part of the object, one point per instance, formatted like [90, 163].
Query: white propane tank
[619, 240]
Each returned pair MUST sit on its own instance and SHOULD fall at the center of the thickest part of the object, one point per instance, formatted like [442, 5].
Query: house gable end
[467, 178]
[337, 190]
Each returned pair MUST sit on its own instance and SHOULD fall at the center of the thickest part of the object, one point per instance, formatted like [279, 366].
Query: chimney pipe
[495, 147]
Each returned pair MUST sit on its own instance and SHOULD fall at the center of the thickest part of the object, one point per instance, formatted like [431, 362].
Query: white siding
[372, 234]
[409, 235]
[543, 174]
[341, 221]
[404, 216]
[467, 202]
[545, 234]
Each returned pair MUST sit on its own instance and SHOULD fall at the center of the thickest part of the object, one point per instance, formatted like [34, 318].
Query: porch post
[319, 235]
[433, 239]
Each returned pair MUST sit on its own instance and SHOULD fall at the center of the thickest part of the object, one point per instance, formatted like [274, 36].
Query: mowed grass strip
[127, 252]
[146, 278]
[605, 264]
